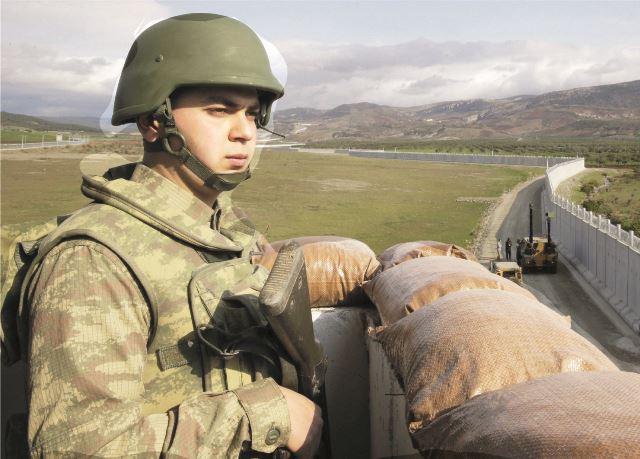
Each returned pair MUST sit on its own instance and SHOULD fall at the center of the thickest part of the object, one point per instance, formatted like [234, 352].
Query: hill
[608, 111]
[22, 122]
[597, 112]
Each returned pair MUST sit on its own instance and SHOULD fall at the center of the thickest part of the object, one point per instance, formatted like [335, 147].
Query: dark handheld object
[284, 301]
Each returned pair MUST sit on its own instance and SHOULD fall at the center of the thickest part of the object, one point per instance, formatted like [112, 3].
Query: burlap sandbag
[405, 251]
[336, 268]
[269, 250]
[471, 342]
[565, 416]
[405, 288]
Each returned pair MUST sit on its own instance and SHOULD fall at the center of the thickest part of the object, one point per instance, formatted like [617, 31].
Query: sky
[63, 57]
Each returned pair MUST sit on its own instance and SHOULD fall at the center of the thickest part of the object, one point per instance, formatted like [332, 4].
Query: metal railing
[598, 221]
[43, 144]
[607, 255]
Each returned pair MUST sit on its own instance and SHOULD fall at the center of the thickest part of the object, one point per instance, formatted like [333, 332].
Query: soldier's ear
[149, 127]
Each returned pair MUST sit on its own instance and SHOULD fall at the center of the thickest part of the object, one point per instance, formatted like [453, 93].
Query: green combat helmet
[187, 50]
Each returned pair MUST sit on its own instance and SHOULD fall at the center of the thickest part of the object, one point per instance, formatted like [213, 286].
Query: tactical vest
[207, 331]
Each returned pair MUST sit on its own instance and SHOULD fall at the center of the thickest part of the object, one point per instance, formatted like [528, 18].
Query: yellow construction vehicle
[538, 253]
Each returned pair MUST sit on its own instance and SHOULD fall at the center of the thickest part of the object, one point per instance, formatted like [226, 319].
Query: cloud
[429, 83]
[38, 80]
[64, 57]
[78, 27]
[422, 71]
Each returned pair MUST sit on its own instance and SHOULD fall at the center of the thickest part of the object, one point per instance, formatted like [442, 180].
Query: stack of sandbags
[488, 371]
[337, 267]
[405, 251]
[405, 288]
[564, 416]
[471, 342]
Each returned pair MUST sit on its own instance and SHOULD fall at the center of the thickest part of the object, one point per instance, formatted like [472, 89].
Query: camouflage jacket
[119, 310]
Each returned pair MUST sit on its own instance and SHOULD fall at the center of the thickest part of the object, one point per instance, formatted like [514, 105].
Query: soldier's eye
[217, 110]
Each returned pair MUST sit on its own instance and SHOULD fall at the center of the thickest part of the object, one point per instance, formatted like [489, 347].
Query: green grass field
[587, 180]
[380, 202]
[16, 135]
[620, 201]
[624, 198]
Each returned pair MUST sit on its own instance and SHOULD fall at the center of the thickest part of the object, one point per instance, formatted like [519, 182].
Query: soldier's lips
[238, 160]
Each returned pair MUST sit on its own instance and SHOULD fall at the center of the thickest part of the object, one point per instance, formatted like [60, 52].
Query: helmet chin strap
[217, 181]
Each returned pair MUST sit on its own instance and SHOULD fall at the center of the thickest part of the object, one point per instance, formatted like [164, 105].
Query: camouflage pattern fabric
[98, 383]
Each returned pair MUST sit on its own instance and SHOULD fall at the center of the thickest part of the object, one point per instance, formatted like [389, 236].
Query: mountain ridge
[605, 111]
[595, 111]
[20, 121]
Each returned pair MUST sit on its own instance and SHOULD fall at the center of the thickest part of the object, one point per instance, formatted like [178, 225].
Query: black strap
[221, 182]
[257, 341]
[177, 355]
[214, 257]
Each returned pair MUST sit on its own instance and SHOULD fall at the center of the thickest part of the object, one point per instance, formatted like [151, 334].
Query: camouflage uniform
[100, 381]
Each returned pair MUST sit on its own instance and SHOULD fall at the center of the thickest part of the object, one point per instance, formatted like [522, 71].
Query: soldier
[519, 245]
[144, 335]
[499, 249]
[508, 245]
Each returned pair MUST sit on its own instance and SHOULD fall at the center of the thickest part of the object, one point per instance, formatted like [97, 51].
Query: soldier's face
[219, 125]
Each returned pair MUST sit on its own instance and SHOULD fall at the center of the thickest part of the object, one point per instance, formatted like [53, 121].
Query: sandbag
[565, 416]
[471, 342]
[336, 268]
[405, 251]
[407, 287]
[269, 250]
[306, 240]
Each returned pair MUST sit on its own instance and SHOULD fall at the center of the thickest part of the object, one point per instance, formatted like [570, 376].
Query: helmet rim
[196, 49]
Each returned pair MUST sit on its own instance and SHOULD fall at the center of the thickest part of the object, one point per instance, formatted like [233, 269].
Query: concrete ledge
[342, 333]
[366, 405]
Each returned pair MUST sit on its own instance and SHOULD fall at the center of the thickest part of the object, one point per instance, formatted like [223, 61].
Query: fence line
[606, 255]
[32, 145]
[513, 160]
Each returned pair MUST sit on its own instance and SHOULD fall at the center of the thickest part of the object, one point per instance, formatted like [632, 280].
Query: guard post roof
[190, 50]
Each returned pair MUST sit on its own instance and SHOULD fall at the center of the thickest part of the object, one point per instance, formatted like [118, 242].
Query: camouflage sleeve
[88, 326]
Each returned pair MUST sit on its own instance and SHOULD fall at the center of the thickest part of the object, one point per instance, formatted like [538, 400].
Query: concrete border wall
[606, 255]
[513, 160]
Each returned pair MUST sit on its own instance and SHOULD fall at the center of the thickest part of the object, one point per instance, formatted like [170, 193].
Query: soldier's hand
[306, 424]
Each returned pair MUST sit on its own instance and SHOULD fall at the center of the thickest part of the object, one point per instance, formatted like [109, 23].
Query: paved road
[568, 292]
